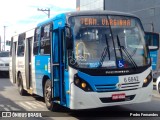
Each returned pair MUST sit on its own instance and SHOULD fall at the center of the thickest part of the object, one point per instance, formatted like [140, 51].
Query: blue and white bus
[84, 60]
[155, 57]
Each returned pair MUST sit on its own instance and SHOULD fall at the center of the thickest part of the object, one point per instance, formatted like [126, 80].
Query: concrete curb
[156, 96]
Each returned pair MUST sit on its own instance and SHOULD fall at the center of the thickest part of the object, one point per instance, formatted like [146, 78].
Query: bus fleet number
[131, 79]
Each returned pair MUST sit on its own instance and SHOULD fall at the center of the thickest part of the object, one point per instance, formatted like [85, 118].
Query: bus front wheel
[48, 95]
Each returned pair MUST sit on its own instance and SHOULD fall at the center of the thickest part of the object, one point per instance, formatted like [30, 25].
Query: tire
[22, 92]
[47, 95]
[159, 87]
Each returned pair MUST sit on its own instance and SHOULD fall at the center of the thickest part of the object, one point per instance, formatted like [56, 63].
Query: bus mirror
[152, 40]
[69, 42]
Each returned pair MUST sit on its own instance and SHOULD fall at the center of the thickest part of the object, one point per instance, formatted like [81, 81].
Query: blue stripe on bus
[41, 69]
[105, 81]
[154, 55]
[66, 78]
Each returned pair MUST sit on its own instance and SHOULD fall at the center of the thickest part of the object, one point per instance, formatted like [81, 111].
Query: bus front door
[14, 61]
[57, 69]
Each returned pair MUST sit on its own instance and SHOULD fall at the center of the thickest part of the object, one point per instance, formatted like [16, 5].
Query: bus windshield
[108, 42]
[4, 54]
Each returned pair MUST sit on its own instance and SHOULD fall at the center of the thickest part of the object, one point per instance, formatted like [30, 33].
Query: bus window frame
[21, 46]
[153, 33]
[41, 38]
[36, 40]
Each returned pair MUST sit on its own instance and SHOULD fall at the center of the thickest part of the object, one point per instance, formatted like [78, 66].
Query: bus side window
[36, 41]
[21, 40]
[45, 46]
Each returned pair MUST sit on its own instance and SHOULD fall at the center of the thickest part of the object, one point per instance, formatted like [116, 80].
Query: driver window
[86, 43]
[132, 39]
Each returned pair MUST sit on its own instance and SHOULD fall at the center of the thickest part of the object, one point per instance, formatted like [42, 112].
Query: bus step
[56, 99]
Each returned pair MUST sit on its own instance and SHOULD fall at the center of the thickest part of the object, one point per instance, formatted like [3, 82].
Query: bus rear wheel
[159, 87]
[20, 85]
[48, 95]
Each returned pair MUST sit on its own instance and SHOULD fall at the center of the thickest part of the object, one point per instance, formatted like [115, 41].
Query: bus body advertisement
[84, 60]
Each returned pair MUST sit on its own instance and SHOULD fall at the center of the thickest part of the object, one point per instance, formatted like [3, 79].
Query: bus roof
[99, 12]
[88, 12]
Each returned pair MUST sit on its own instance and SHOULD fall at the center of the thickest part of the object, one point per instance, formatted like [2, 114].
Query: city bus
[84, 60]
[4, 63]
[155, 58]
[4, 58]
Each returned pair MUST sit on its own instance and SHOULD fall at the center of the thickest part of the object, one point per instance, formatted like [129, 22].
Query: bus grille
[106, 88]
[129, 86]
[114, 87]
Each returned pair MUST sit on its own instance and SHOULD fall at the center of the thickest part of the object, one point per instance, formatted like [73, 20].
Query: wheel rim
[48, 93]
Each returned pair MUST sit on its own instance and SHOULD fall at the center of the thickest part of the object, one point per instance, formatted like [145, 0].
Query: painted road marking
[32, 104]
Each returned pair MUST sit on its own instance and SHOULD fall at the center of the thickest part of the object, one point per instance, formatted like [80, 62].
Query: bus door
[57, 66]
[14, 61]
[28, 62]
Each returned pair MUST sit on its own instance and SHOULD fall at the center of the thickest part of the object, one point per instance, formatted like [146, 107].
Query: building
[90, 4]
[147, 10]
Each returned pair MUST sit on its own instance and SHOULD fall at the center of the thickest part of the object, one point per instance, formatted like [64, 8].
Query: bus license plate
[121, 96]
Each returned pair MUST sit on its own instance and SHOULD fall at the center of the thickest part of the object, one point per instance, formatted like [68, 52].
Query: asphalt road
[10, 100]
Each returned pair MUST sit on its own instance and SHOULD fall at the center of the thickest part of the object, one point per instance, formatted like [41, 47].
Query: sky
[21, 15]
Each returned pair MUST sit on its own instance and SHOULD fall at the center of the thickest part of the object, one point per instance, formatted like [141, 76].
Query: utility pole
[104, 3]
[44, 10]
[4, 37]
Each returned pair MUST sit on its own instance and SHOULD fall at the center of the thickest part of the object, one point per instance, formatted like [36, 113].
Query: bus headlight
[82, 84]
[147, 80]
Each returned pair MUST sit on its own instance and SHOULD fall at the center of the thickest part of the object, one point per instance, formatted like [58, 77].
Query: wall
[90, 4]
[147, 10]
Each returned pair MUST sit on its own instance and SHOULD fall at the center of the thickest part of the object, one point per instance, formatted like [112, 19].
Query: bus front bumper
[80, 99]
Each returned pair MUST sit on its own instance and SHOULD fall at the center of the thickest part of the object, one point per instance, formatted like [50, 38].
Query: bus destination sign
[105, 22]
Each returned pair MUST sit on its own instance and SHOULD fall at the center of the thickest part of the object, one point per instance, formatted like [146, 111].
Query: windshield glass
[108, 42]
[4, 54]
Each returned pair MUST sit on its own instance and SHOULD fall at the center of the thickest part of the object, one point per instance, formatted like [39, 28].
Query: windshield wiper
[109, 56]
[105, 51]
[126, 52]
[112, 40]
[103, 56]
[119, 45]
